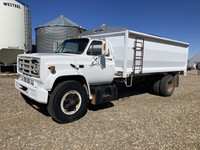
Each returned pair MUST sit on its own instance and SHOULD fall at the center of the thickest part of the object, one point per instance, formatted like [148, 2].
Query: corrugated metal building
[50, 35]
[194, 60]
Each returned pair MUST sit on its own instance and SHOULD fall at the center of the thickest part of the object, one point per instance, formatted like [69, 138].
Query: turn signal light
[104, 47]
[52, 68]
[77, 37]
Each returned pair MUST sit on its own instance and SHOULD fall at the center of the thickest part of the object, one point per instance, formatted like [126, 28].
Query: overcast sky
[174, 19]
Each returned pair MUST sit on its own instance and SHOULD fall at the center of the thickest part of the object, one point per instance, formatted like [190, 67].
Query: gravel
[137, 120]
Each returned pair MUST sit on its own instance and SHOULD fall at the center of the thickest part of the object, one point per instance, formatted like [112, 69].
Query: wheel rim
[170, 86]
[71, 102]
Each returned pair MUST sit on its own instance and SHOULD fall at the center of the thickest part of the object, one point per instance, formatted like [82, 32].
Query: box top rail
[106, 30]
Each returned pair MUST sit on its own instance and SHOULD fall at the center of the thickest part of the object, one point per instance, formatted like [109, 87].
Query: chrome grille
[29, 66]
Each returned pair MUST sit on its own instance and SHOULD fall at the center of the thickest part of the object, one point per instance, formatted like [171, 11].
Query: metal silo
[50, 35]
[15, 30]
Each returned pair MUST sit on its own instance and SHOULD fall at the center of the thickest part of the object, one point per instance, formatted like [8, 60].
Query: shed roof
[194, 59]
[60, 21]
[102, 30]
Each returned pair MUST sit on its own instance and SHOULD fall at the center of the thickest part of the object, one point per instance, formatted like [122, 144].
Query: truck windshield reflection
[73, 46]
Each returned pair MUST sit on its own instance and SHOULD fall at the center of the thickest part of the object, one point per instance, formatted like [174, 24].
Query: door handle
[110, 59]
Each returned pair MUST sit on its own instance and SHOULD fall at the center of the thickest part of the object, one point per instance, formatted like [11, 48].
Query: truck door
[99, 68]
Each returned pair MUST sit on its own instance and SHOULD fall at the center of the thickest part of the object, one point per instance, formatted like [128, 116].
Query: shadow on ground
[42, 108]
[123, 93]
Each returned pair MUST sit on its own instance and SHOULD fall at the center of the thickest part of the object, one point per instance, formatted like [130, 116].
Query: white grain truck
[88, 68]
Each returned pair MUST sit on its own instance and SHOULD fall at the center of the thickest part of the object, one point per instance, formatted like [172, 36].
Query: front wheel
[68, 102]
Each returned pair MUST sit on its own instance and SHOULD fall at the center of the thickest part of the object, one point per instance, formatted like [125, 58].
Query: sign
[11, 5]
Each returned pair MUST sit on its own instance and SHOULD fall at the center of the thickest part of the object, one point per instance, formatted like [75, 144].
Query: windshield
[73, 46]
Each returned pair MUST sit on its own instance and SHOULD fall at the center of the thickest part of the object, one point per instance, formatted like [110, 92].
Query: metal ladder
[27, 29]
[138, 55]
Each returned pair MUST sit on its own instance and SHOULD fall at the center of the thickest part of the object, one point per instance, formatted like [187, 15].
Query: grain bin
[15, 30]
[50, 35]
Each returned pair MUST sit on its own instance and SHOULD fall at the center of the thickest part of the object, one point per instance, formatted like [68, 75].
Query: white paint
[160, 54]
[12, 26]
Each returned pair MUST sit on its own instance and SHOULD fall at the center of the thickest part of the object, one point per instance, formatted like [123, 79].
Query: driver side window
[95, 48]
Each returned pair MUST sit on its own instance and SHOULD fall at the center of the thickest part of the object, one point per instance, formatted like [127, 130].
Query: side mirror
[105, 49]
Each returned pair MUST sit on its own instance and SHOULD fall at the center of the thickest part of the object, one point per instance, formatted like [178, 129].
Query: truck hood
[55, 59]
[44, 55]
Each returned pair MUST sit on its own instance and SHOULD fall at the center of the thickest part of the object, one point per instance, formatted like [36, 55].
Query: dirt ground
[137, 120]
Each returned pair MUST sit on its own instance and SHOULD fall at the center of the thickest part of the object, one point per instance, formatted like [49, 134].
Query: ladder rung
[139, 42]
[138, 65]
[138, 56]
[139, 50]
[138, 47]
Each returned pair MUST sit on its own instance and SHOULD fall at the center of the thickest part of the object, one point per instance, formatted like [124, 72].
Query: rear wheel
[68, 102]
[156, 87]
[176, 80]
[167, 85]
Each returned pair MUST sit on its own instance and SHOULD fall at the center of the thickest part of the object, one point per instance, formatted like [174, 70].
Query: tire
[176, 80]
[167, 85]
[156, 87]
[68, 102]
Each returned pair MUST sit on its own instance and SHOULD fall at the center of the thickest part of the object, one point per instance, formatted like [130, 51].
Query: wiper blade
[70, 52]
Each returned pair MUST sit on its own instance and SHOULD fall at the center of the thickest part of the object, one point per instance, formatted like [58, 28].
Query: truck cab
[81, 62]
[93, 58]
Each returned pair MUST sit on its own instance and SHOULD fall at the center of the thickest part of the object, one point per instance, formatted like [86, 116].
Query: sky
[173, 19]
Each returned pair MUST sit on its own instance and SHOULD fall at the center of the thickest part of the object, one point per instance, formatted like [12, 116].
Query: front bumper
[36, 93]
